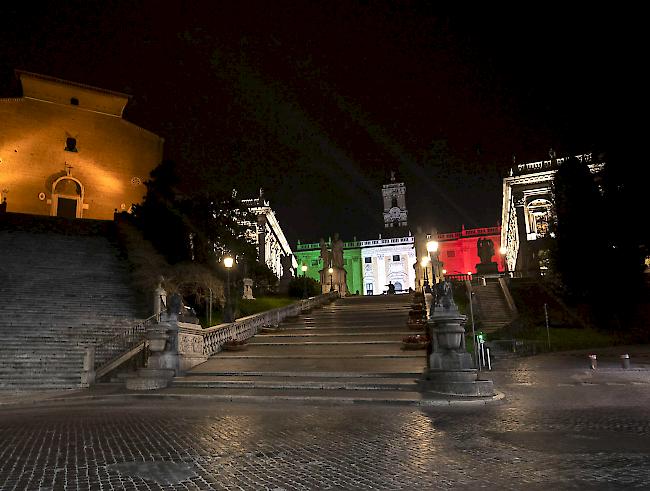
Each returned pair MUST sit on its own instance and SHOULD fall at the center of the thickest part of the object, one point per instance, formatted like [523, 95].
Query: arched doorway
[67, 197]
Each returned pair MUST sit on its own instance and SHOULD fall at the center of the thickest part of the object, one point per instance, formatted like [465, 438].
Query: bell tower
[394, 196]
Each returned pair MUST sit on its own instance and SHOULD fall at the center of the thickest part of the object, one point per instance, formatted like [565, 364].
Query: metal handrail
[122, 342]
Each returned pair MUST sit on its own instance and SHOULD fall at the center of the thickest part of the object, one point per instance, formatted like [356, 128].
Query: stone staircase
[58, 294]
[350, 350]
[492, 308]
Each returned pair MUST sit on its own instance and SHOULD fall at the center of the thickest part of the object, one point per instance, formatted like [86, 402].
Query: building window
[396, 257]
[74, 101]
[393, 202]
[314, 262]
[451, 253]
[367, 260]
[70, 144]
[369, 289]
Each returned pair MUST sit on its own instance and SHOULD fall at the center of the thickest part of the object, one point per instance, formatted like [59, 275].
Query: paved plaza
[560, 426]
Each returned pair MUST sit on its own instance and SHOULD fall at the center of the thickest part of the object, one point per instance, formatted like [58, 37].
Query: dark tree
[580, 255]
[200, 225]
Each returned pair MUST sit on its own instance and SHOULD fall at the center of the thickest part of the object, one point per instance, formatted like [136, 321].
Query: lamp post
[470, 294]
[432, 247]
[304, 280]
[502, 251]
[330, 271]
[424, 262]
[228, 314]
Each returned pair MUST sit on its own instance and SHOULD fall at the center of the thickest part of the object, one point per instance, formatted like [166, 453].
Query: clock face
[394, 212]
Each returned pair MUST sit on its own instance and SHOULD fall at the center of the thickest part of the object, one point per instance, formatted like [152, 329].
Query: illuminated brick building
[66, 150]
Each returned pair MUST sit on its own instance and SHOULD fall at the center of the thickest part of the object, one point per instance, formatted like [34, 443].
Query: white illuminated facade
[387, 261]
[527, 212]
[267, 234]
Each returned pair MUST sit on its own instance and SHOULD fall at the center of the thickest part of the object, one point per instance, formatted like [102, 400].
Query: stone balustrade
[196, 345]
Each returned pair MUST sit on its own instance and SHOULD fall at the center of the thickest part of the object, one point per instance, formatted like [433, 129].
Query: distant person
[3, 205]
[391, 288]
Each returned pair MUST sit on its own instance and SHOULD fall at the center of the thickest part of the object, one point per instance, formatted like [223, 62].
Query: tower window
[70, 144]
[74, 101]
[396, 257]
[393, 202]
[367, 260]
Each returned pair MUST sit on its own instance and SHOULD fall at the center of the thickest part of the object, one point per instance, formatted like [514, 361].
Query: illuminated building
[372, 264]
[527, 211]
[66, 150]
[267, 234]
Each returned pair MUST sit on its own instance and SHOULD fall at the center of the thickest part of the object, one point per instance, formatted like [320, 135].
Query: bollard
[625, 361]
[593, 362]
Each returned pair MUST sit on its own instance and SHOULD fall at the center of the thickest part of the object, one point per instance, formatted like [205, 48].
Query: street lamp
[304, 281]
[228, 314]
[330, 271]
[424, 262]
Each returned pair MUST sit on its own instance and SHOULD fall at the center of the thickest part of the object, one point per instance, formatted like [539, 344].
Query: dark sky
[317, 102]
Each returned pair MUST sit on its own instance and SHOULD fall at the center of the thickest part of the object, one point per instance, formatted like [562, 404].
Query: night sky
[317, 102]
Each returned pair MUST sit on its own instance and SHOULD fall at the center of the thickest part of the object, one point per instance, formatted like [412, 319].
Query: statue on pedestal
[337, 252]
[325, 254]
[485, 251]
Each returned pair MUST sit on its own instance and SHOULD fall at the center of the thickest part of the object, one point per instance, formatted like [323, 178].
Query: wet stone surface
[202, 445]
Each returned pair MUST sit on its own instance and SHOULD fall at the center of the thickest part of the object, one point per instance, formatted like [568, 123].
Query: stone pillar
[88, 374]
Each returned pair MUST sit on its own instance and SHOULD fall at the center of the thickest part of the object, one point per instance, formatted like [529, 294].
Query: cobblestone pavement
[554, 431]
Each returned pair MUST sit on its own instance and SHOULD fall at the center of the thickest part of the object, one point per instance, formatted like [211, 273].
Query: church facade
[66, 150]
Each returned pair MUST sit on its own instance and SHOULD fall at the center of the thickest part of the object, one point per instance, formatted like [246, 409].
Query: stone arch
[539, 217]
[67, 197]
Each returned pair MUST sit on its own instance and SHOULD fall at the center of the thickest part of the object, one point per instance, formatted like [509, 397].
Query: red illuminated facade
[458, 251]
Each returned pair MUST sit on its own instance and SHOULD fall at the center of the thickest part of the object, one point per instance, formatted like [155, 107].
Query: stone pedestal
[248, 289]
[487, 268]
[162, 364]
[450, 367]
[337, 282]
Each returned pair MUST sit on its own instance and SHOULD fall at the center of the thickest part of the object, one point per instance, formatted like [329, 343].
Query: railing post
[88, 374]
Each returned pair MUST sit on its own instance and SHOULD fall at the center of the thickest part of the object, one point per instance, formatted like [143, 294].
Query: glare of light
[227, 261]
[444, 271]
[432, 246]
[303, 268]
[330, 271]
[469, 273]
[503, 250]
[424, 262]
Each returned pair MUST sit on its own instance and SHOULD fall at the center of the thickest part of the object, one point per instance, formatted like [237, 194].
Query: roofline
[74, 84]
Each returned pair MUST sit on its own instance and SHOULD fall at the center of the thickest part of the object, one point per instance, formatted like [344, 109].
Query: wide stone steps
[266, 382]
[58, 294]
[353, 356]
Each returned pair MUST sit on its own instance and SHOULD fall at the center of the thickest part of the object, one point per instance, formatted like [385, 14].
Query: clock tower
[394, 196]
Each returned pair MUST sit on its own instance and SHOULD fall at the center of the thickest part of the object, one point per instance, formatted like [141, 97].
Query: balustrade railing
[246, 327]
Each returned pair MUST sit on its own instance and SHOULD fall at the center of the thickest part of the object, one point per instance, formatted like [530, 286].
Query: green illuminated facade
[309, 255]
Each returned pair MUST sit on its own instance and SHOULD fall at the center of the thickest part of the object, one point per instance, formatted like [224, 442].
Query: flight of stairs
[350, 350]
[58, 294]
[492, 309]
